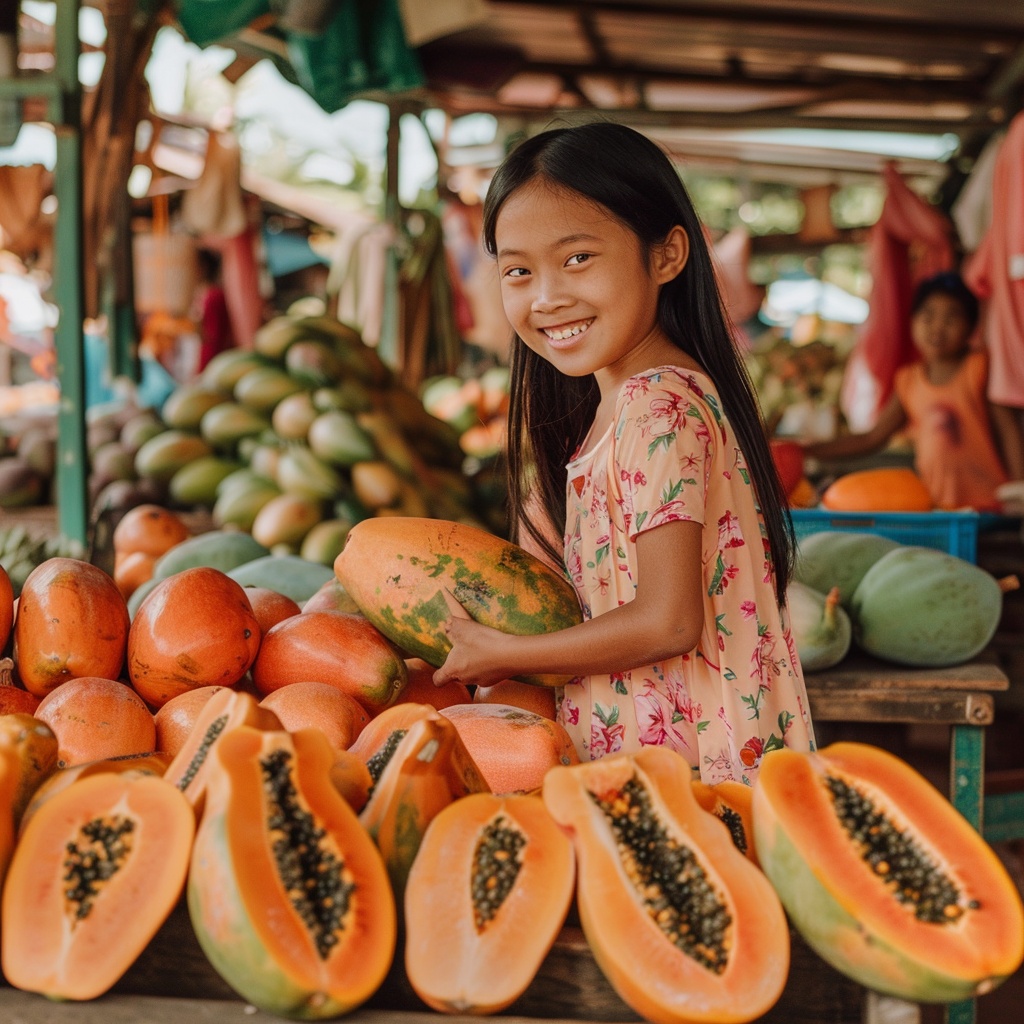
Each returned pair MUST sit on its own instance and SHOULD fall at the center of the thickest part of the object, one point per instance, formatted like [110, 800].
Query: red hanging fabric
[910, 241]
[996, 272]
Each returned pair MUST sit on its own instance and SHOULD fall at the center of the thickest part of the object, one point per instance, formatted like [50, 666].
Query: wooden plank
[569, 985]
[936, 707]
[859, 672]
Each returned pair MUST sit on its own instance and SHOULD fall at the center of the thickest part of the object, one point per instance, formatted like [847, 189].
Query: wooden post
[392, 327]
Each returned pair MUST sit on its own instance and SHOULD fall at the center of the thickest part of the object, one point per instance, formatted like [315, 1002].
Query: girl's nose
[547, 299]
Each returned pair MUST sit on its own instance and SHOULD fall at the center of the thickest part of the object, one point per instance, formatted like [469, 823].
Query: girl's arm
[891, 419]
[665, 619]
[1010, 439]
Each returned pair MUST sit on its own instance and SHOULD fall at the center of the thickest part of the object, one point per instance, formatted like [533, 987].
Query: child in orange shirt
[961, 448]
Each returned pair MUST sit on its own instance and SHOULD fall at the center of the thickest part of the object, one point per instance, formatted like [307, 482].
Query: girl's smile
[577, 288]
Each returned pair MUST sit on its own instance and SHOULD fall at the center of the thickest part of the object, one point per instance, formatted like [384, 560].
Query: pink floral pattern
[672, 456]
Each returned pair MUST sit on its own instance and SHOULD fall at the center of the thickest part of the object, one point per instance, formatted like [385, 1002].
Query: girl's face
[576, 286]
[940, 328]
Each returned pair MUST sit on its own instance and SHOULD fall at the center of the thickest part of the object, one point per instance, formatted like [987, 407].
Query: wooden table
[862, 689]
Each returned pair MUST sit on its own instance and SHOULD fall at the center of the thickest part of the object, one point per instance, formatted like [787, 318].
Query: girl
[633, 426]
[941, 398]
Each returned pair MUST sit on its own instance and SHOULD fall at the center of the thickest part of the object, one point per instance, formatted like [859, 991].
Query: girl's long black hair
[550, 413]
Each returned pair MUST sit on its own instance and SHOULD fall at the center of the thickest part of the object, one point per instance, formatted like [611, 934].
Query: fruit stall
[230, 789]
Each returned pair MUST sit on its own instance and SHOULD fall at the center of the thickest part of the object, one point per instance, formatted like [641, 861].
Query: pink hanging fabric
[910, 241]
[996, 272]
[240, 275]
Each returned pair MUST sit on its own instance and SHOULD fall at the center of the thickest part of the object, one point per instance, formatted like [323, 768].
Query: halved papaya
[882, 875]
[225, 710]
[287, 894]
[154, 763]
[486, 897]
[683, 926]
[733, 803]
[420, 771]
[95, 873]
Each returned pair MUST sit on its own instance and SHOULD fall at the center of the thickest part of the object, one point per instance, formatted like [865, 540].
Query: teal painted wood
[966, 780]
[1004, 817]
[72, 462]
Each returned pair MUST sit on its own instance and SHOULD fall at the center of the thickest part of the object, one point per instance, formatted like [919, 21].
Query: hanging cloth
[214, 206]
[910, 241]
[972, 209]
[996, 272]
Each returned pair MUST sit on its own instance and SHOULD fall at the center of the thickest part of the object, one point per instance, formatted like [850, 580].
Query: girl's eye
[516, 272]
[577, 258]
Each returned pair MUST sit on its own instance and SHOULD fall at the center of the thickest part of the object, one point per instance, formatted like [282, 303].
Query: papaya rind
[840, 938]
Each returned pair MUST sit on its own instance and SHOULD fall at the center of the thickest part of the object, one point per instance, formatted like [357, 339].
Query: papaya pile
[304, 435]
[911, 605]
[291, 770]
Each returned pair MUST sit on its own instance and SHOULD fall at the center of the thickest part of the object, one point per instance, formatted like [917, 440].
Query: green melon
[922, 607]
[218, 549]
[295, 577]
[838, 558]
[226, 424]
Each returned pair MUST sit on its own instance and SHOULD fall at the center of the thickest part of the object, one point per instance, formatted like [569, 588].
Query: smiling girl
[634, 433]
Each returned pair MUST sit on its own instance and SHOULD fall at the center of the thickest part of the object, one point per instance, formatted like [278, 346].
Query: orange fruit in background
[270, 607]
[420, 688]
[72, 622]
[320, 706]
[131, 570]
[151, 529]
[174, 721]
[95, 718]
[538, 699]
[6, 607]
[195, 628]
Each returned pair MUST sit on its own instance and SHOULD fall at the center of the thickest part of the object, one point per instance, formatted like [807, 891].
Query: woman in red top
[961, 451]
[214, 321]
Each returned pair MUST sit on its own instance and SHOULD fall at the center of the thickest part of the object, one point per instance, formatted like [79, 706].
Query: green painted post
[72, 459]
[967, 768]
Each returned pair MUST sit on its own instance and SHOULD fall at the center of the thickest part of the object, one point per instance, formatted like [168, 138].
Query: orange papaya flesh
[684, 927]
[225, 710]
[410, 575]
[270, 796]
[135, 764]
[67, 933]
[733, 804]
[486, 897]
[423, 769]
[908, 899]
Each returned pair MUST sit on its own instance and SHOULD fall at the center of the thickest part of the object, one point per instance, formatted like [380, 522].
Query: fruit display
[903, 603]
[335, 834]
[302, 436]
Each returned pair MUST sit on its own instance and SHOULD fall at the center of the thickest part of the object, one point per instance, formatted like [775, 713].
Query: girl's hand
[477, 657]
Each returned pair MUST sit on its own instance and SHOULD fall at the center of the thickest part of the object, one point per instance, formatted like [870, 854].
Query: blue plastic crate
[953, 532]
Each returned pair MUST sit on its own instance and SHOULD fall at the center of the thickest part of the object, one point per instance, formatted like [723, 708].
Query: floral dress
[670, 455]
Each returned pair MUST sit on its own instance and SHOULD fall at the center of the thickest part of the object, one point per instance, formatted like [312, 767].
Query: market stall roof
[687, 72]
[909, 65]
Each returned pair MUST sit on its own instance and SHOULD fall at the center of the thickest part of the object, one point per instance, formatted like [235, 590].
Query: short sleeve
[977, 372]
[660, 455]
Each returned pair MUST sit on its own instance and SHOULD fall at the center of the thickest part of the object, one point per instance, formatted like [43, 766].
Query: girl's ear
[671, 255]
